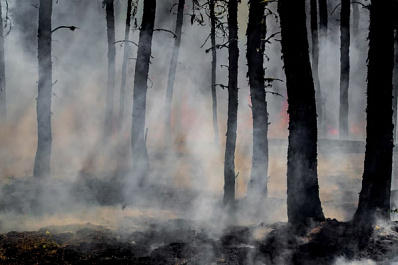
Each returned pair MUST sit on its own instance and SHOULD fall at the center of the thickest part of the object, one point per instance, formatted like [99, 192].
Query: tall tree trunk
[344, 67]
[3, 94]
[233, 50]
[172, 71]
[125, 63]
[138, 144]
[256, 32]
[323, 18]
[374, 199]
[315, 60]
[110, 25]
[395, 84]
[214, 69]
[302, 179]
[43, 108]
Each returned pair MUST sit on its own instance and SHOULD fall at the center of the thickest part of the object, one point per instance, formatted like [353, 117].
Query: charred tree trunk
[213, 69]
[315, 59]
[138, 144]
[395, 84]
[374, 199]
[125, 63]
[256, 32]
[323, 18]
[233, 50]
[172, 71]
[3, 92]
[43, 108]
[344, 67]
[303, 201]
[110, 25]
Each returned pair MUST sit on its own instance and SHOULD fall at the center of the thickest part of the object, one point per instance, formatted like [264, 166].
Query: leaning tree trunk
[124, 66]
[233, 50]
[214, 69]
[3, 96]
[315, 59]
[256, 32]
[138, 144]
[344, 67]
[374, 199]
[172, 71]
[303, 201]
[43, 108]
[110, 25]
[395, 84]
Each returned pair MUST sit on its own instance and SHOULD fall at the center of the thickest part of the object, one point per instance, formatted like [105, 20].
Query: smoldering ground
[181, 202]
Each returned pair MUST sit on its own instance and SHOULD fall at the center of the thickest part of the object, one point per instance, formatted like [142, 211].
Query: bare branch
[129, 41]
[72, 28]
[169, 31]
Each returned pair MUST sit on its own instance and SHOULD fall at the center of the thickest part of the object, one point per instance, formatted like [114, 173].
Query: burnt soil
[177, 242]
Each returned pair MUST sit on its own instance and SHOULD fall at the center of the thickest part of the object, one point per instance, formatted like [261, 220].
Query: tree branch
[72, 28]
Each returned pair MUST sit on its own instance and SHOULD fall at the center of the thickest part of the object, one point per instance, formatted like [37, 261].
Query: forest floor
[179, 243]
[167, 236]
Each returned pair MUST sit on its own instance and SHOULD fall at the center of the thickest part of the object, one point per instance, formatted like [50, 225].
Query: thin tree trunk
[303, 201]
[3, 94]
[315, 59]
[256, 32]
[138, 144]
[344, 67]
[172, 71]
[374, 199]
[229, 166]
[214, 69]
[43, 108]
[124, 66]
[395, 84]
[323, 36]
[110, 25]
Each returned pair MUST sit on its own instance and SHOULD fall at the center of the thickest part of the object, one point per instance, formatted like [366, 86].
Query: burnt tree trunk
[344, 67]
[323, 18]
[43, 107]
[172, 71]
[233, 50]
[256, 32]
[395, 84]
[214, 69]
[374, 198]
[110, 25]
[3, 92]
[125, 63]
[303, 201]
[138, 144]
[315, 59]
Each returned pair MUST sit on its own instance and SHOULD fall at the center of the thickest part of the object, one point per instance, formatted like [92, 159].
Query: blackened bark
[323, 18]
[344, 67]
[315, 59]
[395, 84]
[233, 50]
[125, 63]
[303, 201]
[172, 71]
[3, 91]
[374, 199]
[214, 69]
[43, 108]
[110, 25]
[256, 32]
[138, 144]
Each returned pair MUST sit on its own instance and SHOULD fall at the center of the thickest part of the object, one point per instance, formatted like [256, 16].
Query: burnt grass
[177, 242]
